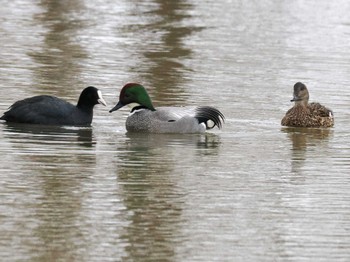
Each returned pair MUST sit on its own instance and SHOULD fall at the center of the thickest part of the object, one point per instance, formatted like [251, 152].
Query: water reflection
[146, 166]
[301, 139]
[208, 144]
[61, 56]
[58, 213]
[50, 150]
[53, 163]
[16, 132]
[164, 70]
[190, 198]
[148, 191]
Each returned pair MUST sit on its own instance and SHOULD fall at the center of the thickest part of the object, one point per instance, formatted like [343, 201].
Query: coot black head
[89, 97]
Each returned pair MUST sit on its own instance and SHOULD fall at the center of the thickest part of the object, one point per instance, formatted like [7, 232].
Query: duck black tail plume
[206, 113]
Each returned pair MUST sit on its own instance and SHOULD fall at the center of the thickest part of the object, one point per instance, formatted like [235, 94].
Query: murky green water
[253, 191]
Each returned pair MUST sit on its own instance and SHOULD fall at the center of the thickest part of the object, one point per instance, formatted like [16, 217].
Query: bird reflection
[150, 195]
[302, 139]
[146, 166]
[163, 64]
[41, 133]
[55, 163]
[60, 56]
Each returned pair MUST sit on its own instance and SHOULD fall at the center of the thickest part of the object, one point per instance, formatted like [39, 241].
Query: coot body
[50, 110]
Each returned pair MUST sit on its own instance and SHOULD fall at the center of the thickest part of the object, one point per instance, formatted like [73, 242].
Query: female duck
[146, 118]
[303, 114]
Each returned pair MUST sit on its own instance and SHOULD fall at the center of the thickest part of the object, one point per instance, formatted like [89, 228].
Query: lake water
[253, 191]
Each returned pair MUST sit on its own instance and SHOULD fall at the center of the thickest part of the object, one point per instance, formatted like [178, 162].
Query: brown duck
[303, 114]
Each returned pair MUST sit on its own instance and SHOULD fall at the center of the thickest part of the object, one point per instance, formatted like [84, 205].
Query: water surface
[253, 191]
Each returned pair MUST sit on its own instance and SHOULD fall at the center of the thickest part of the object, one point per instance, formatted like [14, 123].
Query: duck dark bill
[119, 105]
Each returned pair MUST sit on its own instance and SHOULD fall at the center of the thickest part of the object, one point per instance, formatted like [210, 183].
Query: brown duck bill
[119, 105]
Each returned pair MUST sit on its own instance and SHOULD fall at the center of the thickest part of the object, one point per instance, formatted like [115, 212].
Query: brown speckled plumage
[303, 114]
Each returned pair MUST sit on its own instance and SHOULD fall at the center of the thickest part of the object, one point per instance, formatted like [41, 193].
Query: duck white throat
[131, 106]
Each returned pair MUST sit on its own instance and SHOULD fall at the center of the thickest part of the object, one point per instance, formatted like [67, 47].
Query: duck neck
[146, 101]
[302, 103]
[137, 107]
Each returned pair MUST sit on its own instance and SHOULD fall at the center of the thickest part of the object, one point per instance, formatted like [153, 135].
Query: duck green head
[133, 93]
[300, 94]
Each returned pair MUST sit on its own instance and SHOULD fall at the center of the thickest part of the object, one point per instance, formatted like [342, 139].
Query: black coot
[50, 110]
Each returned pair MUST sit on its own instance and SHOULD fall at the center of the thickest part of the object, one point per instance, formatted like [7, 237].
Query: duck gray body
[170, 120]
[304, 114]
[146, 118]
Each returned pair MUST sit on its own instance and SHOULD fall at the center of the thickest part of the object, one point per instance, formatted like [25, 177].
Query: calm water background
[253, 191]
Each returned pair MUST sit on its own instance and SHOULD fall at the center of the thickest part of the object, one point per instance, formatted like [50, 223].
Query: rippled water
[254, 191]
